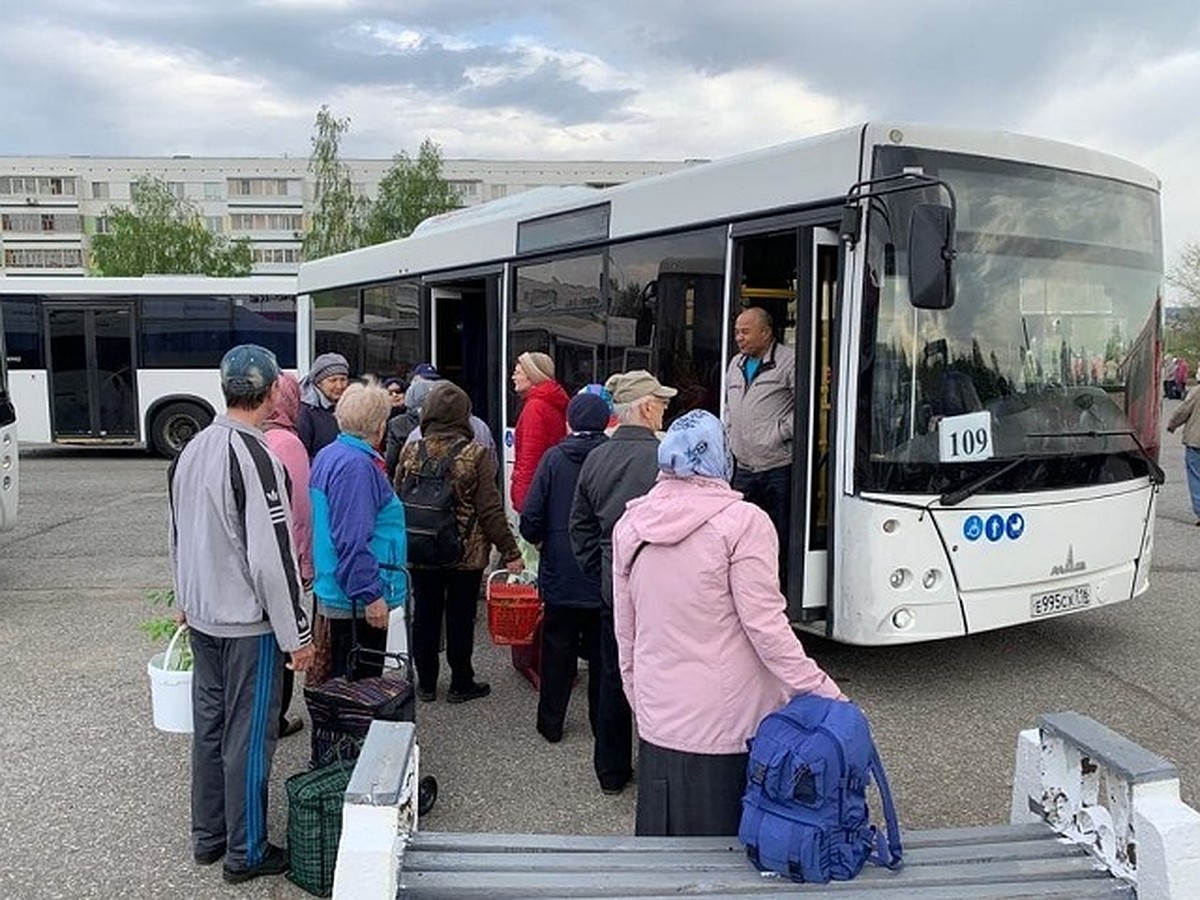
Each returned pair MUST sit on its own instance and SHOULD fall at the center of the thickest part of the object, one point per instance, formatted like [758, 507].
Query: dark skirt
[689, 793]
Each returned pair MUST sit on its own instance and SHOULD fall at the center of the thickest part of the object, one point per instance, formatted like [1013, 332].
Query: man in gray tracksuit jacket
[238, 588]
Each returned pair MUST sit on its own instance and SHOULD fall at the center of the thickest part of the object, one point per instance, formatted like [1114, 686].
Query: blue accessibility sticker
[1015, 526]
[973, 528]
[508, 438]
[995, 527]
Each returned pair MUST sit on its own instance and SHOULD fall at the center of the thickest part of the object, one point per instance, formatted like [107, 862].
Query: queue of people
[614, 506]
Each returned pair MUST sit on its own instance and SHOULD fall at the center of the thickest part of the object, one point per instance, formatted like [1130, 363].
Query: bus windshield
[1051, 345]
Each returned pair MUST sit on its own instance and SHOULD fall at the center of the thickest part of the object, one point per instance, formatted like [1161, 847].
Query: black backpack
[431, 510]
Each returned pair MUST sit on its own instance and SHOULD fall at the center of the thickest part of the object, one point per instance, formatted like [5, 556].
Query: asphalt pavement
[94, 801]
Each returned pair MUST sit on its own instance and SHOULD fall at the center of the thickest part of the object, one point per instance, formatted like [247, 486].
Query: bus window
[337, 325]
[665, 308]
[391, 327]
[559, 309]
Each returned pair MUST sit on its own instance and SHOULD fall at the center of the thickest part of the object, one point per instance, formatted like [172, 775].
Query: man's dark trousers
[237, 685]
[770, 490]
[568, 632]
[613, 756]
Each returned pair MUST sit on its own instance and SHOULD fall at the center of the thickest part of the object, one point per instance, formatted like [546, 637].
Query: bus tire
[176, 424]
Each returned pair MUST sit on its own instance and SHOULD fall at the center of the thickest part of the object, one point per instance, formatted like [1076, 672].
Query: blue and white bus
[976, 324]
[133, 361]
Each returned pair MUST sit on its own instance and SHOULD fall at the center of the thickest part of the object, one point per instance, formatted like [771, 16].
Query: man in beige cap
[613, 474]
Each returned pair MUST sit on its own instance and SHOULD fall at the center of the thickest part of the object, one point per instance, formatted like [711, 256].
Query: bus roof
[813, 171]
[75, 285]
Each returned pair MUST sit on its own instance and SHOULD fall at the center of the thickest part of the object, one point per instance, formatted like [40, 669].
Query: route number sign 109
[965, 438]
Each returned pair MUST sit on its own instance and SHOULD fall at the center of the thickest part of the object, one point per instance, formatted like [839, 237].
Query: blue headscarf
[695, 445]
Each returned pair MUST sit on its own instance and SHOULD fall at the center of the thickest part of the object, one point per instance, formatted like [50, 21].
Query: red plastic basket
[514, 611]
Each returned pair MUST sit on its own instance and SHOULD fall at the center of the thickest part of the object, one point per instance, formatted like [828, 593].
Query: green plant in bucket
[160, 628]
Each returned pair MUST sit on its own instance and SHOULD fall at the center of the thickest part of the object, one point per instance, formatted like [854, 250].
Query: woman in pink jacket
[705, 647]
[279, 429]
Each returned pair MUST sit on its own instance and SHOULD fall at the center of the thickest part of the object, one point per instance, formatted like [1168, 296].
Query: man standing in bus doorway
[238, 589]
[760, 389]
[320, 391]
[613, 474]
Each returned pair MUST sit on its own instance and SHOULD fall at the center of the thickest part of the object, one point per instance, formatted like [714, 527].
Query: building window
[99, 190]
[212, 190]
[276, 255]
[264, 187]
[215, 224]
[39, 258]
[265, 222]
[34, 223]
[37, 186]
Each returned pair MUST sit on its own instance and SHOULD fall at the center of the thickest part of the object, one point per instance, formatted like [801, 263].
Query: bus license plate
[1055, 602]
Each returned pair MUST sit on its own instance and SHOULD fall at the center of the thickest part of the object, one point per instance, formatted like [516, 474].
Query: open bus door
[464, 318]
[789, 268]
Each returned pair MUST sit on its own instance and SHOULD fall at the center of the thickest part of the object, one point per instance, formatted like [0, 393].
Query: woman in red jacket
[543, 419]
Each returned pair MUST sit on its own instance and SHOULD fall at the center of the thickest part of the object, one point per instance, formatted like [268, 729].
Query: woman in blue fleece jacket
[359, 545]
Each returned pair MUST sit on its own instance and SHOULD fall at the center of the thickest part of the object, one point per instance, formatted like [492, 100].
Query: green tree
[163, 234]
[1185, 274]
[339, 215]
[409, 192]
[1183, 324]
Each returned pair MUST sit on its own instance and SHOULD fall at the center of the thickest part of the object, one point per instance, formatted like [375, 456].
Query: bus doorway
[91, 373]
[465, 345]
[791, 272]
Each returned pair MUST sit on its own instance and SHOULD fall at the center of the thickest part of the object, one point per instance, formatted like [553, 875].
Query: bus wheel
[176, 424]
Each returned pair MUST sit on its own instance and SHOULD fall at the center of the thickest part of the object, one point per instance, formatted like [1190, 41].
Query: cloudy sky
[618, 79]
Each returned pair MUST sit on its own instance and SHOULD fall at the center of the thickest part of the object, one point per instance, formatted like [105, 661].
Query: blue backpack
[804, 813]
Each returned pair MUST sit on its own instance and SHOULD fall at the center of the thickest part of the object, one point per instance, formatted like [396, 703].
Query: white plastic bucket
[170, 691]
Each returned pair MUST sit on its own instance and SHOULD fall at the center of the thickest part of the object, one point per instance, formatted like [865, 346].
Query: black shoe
[473, 691]
[613, 790]
[553, 735]
[274, 863]
[427, 791]
[426, 696]
[288, 727]
[208, 857]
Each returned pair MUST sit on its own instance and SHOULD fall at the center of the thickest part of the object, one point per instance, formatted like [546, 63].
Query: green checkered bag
[315, 824]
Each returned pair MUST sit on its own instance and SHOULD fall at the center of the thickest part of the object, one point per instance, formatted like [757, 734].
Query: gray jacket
[624, 467]
[231, 549]
[759, 415]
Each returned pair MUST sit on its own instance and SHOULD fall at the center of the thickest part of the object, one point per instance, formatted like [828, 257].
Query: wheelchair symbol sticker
[1015, 526]
[973, 528]
[995, 527]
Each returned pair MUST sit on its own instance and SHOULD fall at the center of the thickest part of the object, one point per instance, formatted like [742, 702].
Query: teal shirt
[751, 367]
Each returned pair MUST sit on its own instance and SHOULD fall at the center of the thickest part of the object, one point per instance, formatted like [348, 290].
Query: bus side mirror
[931, 257]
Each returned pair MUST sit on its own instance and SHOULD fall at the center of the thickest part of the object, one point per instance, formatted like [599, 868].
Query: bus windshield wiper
[1157, 475]
[958, 495]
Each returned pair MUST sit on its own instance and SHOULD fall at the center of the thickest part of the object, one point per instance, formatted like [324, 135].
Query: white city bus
[976, 325]
[133, 361]
[10, 474]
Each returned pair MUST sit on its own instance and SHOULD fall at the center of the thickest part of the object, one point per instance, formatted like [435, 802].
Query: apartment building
[51, 206]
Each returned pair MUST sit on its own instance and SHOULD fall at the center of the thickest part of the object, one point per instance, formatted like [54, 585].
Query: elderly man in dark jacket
[571, 626]
[612, 475]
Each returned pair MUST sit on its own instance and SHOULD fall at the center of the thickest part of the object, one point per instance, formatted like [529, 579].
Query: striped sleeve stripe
[275, 501]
